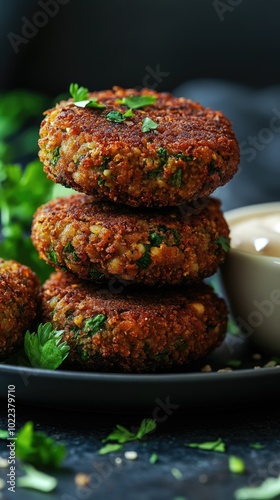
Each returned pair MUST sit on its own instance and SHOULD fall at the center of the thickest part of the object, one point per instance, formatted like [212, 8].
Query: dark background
[102, 43]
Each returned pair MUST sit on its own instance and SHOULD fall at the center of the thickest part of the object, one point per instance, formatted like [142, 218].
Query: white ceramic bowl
[251, 283]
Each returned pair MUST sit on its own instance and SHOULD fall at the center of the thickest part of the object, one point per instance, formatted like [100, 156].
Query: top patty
[191, 152]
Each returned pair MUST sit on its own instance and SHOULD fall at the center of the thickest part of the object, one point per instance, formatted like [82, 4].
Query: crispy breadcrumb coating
[96, 239]
[135, 330]
[192, 151]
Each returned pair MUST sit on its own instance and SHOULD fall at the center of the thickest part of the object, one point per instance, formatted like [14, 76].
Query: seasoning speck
[82, 479]
[131, 455]
[206, 368]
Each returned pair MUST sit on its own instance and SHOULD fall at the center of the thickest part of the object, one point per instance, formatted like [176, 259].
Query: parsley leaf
[137, 101]
[44, 349]
[123, 435]
[267, 490]
[148, 124]
[37, 448]
[236, 465]
[90, 103]
[257, 446]
[153, 458]
[115, 116]
[36, 480]
[78, 93]
[110, 448]
[217, 445]
[224, 242]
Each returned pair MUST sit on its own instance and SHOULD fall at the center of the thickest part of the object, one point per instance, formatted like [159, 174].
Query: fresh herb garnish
[217, 445]
[137, 101]
[115, 116]
[78, 93]
[224, 242]
[236, 465]
[36, 480]
[90, 103]
[153, 458]
[44, 349]
[93, 325]
[148, 124]
[81, 97]
[257, 446]
[37, 448]
[122, 435]
[268, 490]
[110, 448]
[176, 473]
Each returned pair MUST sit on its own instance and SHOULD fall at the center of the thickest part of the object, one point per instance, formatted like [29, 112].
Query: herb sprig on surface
[81, 97]
[121, 435]
[44, 349]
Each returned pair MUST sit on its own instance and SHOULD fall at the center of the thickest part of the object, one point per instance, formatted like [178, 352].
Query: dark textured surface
[205, 474]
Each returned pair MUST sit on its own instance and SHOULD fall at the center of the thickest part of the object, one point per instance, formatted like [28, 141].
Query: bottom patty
[135, 330]
[19, 289]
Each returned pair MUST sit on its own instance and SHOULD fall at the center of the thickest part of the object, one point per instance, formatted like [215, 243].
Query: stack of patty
[132, 250]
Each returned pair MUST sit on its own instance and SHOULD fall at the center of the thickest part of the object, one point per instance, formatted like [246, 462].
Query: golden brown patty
[96, 239]
[138, 330]
[19, 289]
[192, 151]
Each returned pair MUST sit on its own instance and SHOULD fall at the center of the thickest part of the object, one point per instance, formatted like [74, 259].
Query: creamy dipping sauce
[258, 234]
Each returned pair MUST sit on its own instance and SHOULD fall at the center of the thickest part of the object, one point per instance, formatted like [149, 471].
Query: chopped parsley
[146, 259]
[137, 101]
[36, 480]
[163, 154]
[90, 103]
[268, 490]
[156, 239]
[51, 254]
[236, 465]
[176, 178]
[121, 435]
[224, 242]
[93, 325]
[153, 458]
[148, 124]
[81, 97]
[78, 93]
[37, 448]
[115, 116]
[44, 348]
[257, 446]
[55, 155]
[217, 445]
[70, 249]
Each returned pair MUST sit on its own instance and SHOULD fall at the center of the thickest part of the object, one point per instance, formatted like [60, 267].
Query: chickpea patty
[186, 153]
[19, 289]
[137, 330]
[96, 239]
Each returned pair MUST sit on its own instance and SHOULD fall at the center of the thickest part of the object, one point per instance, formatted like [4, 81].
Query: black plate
[160, 394]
